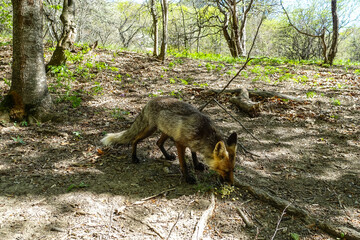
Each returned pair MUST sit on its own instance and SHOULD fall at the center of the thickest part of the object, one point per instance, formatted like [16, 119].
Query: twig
[248, 59]
[200, 226]
[278, 223]
[153, 196]
[247, 221]
[172, 228]
[111, 219]
[236, 120]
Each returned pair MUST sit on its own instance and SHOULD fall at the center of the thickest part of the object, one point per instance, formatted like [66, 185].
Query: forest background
[196, 26]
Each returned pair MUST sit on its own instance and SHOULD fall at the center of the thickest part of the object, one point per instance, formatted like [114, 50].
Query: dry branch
[337, 231]
[247, 221]
[263, 94]
[200, 226]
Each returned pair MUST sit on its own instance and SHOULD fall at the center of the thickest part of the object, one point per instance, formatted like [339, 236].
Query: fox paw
[135, 159]
[170, 157]
[200, 167]
[190, 179]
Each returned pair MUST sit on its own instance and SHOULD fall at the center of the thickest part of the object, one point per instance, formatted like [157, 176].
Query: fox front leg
[197, 165]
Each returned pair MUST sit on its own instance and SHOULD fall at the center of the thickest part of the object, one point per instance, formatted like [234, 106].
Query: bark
[335, 34]
[28, 92]
[164, 8]
[68, 35]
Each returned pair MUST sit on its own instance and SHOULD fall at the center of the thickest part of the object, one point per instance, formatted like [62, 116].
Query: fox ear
[220, 150]
[231, 141]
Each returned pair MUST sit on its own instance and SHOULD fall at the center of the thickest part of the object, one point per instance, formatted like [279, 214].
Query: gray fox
[188, 127]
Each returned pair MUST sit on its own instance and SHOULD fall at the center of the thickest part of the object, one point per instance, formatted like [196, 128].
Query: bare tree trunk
[163, 50]
[155, 28]
[227, 36]
[335, 35]
[68, 36]
[28, 92]
[235, 27]
[235, 33]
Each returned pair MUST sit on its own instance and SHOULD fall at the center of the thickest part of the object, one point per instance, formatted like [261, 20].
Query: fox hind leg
[142, 135]
[160, 144]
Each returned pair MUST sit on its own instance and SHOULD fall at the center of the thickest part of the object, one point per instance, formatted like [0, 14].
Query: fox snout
[228, 178]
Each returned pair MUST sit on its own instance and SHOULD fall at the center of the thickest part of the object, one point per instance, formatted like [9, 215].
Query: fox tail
[128, 135]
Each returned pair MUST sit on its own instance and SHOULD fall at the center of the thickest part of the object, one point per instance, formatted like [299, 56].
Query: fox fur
[188, 127]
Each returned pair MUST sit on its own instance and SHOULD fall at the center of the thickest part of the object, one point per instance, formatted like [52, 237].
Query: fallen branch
[153, 196]
[270, 94]
[172, 228]
[340, 232]
[246, 220]
[279, 221]
[200, 226]
[257, 93]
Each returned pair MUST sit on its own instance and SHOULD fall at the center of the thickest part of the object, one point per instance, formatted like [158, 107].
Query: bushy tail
[128, 135]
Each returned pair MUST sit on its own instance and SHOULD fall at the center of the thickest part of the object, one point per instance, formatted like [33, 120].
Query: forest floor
[58, 182]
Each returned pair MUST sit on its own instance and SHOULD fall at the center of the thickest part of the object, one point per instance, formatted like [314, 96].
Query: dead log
[270, 94]
[244, 103]
[263, 94]
[337, 231]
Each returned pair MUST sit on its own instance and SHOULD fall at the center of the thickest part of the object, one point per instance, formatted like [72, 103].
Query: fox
[188, 128]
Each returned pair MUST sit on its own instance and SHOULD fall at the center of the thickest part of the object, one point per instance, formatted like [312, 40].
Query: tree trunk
[163, 50]
[68, 35]
[335, 35]
[235, 28]
[227, 36]
[28, 92]
[155, 28]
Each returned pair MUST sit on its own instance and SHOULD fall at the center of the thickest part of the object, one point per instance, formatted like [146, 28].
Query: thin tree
[164, 11]
[28, 97]
[335, 34]
[234, 33]
[155, 27]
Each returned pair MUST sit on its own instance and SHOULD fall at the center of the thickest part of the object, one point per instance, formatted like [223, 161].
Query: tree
[68, 35]
[233, 32]
[330, 54]
[28, 96]
[155, 26]
[335, 34]
[164, 13]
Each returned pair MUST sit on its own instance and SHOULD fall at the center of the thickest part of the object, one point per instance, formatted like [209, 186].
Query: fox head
[224, 155]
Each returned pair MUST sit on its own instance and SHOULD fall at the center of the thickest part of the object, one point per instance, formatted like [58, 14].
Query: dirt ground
[58, 182]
